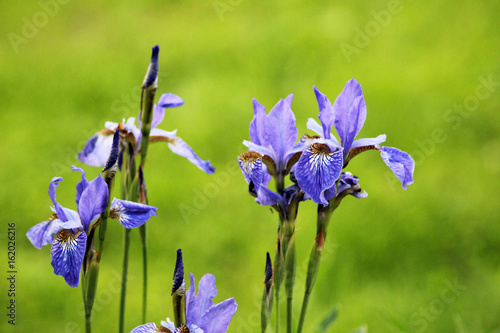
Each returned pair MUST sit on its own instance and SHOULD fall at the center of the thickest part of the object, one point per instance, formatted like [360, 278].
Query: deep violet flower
[95, 152]
[202, 315]
[71, 227]
[323, 157]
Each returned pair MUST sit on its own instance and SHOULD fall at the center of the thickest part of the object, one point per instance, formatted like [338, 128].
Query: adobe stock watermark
[251, 323]
[32, 24]
[455, 116]
[202, 196]
[103, 298]
[223, 6]
[372, 29]
[421, 319]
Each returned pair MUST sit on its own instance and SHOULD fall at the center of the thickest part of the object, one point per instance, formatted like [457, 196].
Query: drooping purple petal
[218, 317]
[350, 113]
[281, 131]
[67, 253]
[152, 72]
[146, 328]
[326, 114]
[131, 214]
[54, 182]
[82, 184]
[266, 197]
[181, 148]
[317, 170]
[170, 100]
[400, 163]
[43, 232]
[258, 125]
[96, 151]
[93, 201]
[197, 305]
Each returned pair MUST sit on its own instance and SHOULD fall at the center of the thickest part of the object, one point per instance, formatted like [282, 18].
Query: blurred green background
[389, 259]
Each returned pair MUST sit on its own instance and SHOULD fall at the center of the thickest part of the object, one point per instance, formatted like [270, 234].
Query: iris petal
[170, 100]
[317, 170]
[326, 114]
[54, 182]
[93, 201]
[146, 328]
[400, 163]
[281, 131]
[218, 317]
[82, 184]
[43, 232]
[181, 148]
[350, 113]
[197, 305]
[131, 214]
[96, 151]
[67, 255]
[258, 125]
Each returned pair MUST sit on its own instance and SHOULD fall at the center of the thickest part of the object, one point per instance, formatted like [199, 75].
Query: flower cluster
[315, 162]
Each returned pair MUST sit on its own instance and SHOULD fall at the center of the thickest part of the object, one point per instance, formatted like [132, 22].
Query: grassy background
[389, 258]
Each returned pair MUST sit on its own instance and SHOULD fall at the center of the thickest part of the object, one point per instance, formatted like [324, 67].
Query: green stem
[143, 230]
[324, 214]
[123, 295]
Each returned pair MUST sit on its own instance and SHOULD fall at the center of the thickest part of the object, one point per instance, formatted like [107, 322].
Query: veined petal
[82, 184]
[400, 163]
[197, 305]
[96, 151]
[258, 125]
[326, 114]
[252, 167]
[317, 170]
[218, 317]
[314, 126]
[350, 113]
[54, 182]
[170, 100]
[67, 252]
[181, 148]
[43, 232]
[281, 131]
[147, 328]
[131, 214]
[93, 201]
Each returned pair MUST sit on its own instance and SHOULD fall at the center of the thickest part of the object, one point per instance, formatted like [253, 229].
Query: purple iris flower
[71, 227]
[273, 137]
[323, 158]
[95, 152]
[202, 315]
